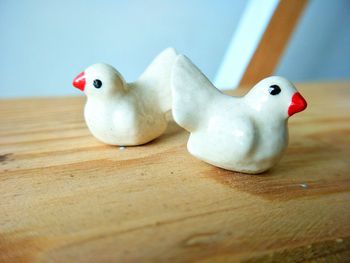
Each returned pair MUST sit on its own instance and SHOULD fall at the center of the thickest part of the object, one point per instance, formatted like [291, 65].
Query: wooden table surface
[65, 197]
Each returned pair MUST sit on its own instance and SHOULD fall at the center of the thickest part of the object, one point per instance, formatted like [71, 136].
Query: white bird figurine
[245, 134]
[120, 113]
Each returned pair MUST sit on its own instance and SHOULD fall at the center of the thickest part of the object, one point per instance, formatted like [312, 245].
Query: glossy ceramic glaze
[120, 113]
[246, 134]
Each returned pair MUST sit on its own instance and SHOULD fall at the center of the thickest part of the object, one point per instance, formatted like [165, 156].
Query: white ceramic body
[245, 134]
[127, 120]
[120, 113]
[238, 139]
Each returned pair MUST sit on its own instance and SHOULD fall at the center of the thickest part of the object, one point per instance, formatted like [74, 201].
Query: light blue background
[44, 44]
[320, 47]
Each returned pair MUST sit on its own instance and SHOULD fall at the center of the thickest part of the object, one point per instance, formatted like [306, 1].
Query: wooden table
[65, 197]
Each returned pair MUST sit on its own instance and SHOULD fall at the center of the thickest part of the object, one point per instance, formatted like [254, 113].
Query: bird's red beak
[79, 81]
[298, 104]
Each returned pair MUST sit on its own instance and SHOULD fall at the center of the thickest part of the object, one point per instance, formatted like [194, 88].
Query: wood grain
[65, 197]
[273, 41]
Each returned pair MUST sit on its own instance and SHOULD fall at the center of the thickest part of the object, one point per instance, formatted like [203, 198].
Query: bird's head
[100, 80]
[275, 97]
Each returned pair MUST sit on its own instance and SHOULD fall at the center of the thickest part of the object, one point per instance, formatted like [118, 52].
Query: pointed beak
[79, 81]
[298, 104]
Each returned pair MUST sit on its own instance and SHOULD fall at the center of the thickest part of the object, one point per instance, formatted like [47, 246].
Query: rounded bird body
[120, 113]
[127, 120]
[230, 138]
[245, 134]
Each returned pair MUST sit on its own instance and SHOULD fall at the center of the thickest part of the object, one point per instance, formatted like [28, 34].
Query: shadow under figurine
[245, 134]
[120, 113]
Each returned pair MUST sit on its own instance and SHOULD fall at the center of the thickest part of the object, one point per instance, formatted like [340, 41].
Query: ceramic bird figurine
[245, 134]
[120, 113]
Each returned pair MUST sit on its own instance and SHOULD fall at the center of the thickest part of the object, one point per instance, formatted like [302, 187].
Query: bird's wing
[192, 93]
[235, 136]
[155, 80]
[241, 135]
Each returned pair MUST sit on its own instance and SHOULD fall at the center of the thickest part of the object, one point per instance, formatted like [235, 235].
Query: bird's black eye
[97, 83]
[274, 89]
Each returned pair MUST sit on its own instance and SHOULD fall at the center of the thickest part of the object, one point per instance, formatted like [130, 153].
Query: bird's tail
[156, 78]
[193, 94]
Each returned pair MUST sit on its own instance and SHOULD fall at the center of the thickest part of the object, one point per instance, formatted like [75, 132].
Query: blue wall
[320, 47]
[44, 44]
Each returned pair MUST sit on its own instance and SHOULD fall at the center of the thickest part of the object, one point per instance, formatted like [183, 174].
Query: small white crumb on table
[304, 185]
